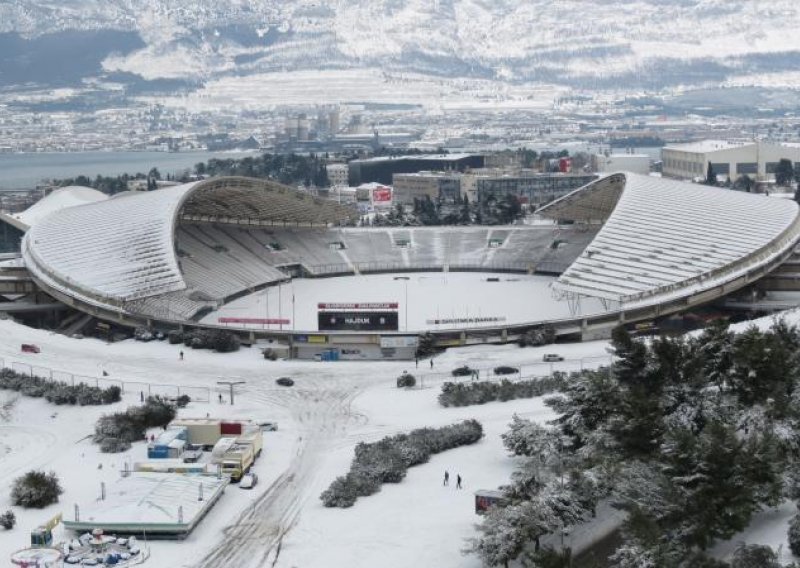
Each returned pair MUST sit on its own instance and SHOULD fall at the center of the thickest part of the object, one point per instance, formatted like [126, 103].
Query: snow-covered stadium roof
[59, 199]
[669, 238]
[123, 248]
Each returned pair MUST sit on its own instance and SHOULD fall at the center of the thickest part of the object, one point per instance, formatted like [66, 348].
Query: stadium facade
[644, 246]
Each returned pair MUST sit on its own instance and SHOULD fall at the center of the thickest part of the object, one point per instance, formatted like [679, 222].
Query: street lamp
[231, 384]
[405, 280]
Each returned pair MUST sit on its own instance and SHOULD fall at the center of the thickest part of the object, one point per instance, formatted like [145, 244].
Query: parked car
[552, 358]
[30, 348]
[285, 381]
[268, 426]
[463, 371]
[248, 481]
[505, 370]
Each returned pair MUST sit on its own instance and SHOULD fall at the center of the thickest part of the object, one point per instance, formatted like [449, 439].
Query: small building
[168, 505]
[728, 160]
[381, 169]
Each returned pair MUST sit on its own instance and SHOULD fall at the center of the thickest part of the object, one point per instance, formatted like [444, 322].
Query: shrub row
[387, 460]
[216, 339]
[481, 392]
[58, 392]
[115, 432]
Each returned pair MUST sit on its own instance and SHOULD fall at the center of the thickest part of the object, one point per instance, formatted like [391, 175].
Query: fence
[199, 394]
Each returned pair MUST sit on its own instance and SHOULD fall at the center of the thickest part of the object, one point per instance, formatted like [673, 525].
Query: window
[747, 168]
[721, 168]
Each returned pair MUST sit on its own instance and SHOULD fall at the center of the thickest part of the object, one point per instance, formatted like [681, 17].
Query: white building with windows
[729, 160]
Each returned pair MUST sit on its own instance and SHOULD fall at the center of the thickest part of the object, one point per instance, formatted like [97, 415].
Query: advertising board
[357, 321]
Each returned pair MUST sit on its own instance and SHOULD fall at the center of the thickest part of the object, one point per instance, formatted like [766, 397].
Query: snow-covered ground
[423, 299]
[331, 408]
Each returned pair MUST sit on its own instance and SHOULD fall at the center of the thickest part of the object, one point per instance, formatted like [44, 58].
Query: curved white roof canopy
[61, 198]
[123, 249]
[668, 237]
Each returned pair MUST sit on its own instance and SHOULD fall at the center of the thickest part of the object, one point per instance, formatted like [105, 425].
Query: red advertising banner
[259, 321]
[381, 195]
[359, 306]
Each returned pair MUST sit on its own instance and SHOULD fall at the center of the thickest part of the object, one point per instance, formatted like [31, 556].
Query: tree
[784, 172]
[36, 489]
[711, 176]
[755, 556]
[503, 536]
[794, 535]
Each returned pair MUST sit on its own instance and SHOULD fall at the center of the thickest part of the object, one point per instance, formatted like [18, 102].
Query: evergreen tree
[784, 172]
[711, 176]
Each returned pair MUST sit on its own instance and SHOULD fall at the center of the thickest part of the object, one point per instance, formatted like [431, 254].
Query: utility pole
[231, 384]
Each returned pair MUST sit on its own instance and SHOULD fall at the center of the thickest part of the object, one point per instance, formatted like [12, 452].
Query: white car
[248, 481]
[552, 358]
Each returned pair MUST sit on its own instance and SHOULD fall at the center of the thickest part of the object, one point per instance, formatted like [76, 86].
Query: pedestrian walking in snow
[431, 362]
[220, 398]
[458, 481]
[141, 396]
[446, 478]
[181, 355]
[416, 362]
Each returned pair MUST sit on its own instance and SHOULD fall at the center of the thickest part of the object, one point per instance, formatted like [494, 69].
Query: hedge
[387, 460]
[481, 392]
[58, 392]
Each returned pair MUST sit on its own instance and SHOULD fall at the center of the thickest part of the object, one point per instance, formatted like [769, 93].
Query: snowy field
[423, 298]
[331, 408]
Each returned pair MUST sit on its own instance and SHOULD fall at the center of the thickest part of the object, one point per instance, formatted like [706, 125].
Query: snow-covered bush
[387, 460]
[115, 432]
[794, 535]
[114, 445]
[224, 342]
[406, 380]
[58, 392]
[270, 354]
[183, 401]
[538, 337]
[36, 489]
[754, 556]
[481, 392]
[8, 520]
[174, 337]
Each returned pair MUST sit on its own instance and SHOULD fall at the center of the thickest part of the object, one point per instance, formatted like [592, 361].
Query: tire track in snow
[323, 415]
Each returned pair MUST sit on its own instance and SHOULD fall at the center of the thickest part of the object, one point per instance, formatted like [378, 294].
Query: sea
[27, 170]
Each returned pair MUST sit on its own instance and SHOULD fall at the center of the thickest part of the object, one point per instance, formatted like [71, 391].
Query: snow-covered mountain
[590, 43]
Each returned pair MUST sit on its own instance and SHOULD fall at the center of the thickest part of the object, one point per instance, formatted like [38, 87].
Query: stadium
[277, 265]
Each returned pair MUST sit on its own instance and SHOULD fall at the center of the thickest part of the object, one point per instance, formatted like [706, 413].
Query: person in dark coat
[446, 478]
[458, 481]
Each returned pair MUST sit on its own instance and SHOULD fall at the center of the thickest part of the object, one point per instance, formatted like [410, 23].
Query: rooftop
[705, 146]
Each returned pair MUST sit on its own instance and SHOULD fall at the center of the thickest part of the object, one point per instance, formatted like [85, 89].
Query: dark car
[285, 381]
[505, 370]
[463, 371]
